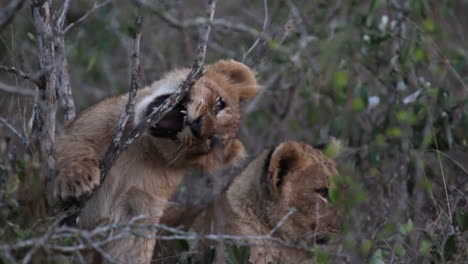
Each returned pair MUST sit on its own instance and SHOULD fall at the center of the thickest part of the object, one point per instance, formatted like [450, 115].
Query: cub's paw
[76, 178]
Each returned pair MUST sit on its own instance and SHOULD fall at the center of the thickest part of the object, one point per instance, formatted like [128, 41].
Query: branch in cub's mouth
[172, 123]
[195, 74]
[121, 142]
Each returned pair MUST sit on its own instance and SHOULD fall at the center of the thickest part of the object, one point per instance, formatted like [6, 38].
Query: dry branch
[44, 120]
[64, 87]
[20, 73]
[198, 21]
[116, 143]
[17, 91]
[58, 238]
[81, 19]
[23, 139]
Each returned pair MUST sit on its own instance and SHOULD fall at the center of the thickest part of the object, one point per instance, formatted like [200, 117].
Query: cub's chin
[203, 155]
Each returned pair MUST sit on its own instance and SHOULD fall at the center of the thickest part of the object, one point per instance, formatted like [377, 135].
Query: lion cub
[293, 175]
[199, 133]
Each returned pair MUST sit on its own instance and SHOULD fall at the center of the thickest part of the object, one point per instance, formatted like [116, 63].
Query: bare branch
[40, 242]
[13, 90]
[265, 24]
[64, 89]
[198, 21]
[23, 139]
[20, 73]
[281, 222]
[63, 14]
[134, 86]
[44, 120]
[81, 19]
[7, 13]
[102, 235]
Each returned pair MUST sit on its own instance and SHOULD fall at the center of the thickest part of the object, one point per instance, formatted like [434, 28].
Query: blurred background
[386, 77]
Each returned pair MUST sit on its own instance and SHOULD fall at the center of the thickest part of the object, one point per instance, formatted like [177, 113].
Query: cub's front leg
[77, 170]
[138, 247]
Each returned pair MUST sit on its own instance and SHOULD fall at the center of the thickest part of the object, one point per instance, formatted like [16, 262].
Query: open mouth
[172, 123]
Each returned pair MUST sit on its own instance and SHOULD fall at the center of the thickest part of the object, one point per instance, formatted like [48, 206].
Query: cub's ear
[240, 75]
[286, 157]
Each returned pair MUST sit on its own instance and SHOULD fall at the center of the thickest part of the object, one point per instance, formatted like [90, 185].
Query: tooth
[183, 112]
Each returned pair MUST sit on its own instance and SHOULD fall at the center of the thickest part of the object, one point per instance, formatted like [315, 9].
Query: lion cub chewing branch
[199, 133]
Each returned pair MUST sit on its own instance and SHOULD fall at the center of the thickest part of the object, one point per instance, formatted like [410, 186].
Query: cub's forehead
[316, 174]
[208, 90]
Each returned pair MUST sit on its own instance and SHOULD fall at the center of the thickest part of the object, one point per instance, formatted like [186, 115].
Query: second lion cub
[293, 175]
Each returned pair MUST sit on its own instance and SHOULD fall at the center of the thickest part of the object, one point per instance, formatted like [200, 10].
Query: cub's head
[298, 176]
[200, 131]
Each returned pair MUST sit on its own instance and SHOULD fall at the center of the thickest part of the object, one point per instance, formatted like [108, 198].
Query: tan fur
[146, 174]
[289, 177]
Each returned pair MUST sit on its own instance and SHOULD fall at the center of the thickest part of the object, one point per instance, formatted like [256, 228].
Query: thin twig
[63, 14]
[40, 242]
[102, 235]
[20, 73]
[439, 52]
[198, 21]
[443, 179]
[453, 160]
[13, 90]
[281, 222]
[81, 19]
[116, 143]
[23, 139]
[265, 24]
[64, 89]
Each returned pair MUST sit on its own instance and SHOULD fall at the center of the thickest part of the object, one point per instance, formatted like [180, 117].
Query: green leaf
[460, 219]
[450, 247]
[429, 25]
[321, 256]
[357, 105]
[419, 55]
[377, 258]
[425, 247]
[91, 62]
[398, 249]
[333, 149]
[393, 132]
[237, 254]
[406, 117]
[409, 227]
[31, 36]
[12, 184]
[341, 79]
[366, 246]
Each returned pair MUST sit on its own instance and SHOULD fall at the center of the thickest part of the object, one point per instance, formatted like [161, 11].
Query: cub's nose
[196, 126]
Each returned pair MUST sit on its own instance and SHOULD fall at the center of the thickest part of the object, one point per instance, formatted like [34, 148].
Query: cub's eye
[219, 105]
[322, 192]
